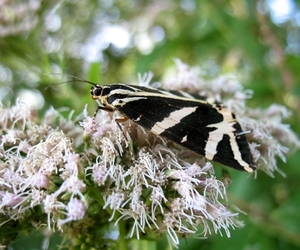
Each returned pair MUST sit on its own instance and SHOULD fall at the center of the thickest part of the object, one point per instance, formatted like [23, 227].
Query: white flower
[75, 211]
[10, 199]
[99, 173]
[39, 180]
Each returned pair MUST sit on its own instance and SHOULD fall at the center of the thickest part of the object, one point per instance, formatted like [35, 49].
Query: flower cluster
[156, 190]
[38, 166]
[126, 178]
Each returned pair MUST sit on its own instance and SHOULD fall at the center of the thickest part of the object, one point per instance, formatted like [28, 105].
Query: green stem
[122, 242]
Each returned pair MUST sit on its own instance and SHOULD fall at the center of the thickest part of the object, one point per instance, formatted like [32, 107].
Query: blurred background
[109, 41]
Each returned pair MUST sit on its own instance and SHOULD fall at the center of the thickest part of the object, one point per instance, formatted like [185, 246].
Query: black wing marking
[206, 129]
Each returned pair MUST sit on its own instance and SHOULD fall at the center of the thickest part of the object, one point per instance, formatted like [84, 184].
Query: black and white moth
[205, 128]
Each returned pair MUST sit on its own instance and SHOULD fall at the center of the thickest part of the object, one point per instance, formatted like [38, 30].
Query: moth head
[96, 92]
[100, 93]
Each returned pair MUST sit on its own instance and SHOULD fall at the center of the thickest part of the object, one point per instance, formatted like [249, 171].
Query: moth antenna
[79, 79]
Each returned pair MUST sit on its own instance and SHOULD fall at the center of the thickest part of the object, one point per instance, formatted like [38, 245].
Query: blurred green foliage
[84, 39]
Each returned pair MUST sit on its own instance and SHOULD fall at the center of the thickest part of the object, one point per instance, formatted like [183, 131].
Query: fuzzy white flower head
[39, 167]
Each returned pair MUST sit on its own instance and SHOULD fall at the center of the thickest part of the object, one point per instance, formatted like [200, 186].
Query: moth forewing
[207, 129]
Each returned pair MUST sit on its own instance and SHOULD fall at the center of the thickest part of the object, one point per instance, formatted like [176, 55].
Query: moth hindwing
[207, 129]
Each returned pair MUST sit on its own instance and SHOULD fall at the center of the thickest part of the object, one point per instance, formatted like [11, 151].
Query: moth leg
[121, 120]
[107, 109]
[243, 133]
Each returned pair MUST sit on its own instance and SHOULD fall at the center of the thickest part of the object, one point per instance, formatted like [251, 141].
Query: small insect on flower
[205, 128]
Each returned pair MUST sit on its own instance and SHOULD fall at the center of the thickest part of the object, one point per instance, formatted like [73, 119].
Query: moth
[205, 128]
